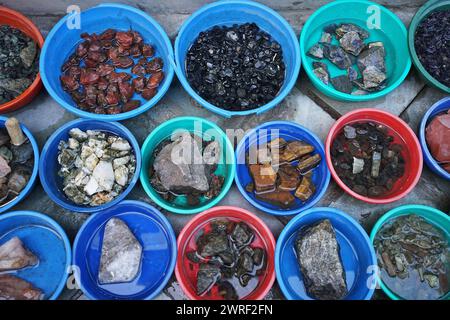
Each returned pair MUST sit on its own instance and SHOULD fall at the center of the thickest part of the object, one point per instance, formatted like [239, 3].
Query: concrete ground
[305, 105]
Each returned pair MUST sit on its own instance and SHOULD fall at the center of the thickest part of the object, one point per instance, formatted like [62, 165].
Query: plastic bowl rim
[85, 209]
[343, 120]
[331, 92]
[274, 212]
[284, 234]
[121, 116]
[226, 113]
[226, 187]
[167, 227]
[61, 233]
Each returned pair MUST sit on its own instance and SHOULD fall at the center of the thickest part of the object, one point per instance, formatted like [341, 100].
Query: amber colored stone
[305, 190]
[263, 176]
[283, 199]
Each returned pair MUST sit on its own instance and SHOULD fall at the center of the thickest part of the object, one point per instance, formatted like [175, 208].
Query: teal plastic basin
[391, 32]
[432, 215]
[208, 131]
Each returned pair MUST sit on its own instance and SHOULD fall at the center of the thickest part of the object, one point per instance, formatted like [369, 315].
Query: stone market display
[184, 166]
[236, 68]
[228, 260]
[98, 75]
[437, 134]
[95, 166]
[19, 62]
[414, 256]
[121, 253]
[432, 44]
[16, 161]
[283, 172]
[366, 158]
[364, 63]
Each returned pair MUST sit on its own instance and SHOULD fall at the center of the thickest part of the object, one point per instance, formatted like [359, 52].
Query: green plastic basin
[421, 14]
[208, 131]
[432, 215]
[391, 32]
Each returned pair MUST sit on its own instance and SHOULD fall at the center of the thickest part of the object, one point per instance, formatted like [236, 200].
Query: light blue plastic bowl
[437, 108]
[48, 241]
[227, 13]
[356, 251]
[62, 41]
[34, 174]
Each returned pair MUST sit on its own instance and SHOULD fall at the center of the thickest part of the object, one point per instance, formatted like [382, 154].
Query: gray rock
[320, 263]
[121, 254]
[179, 166]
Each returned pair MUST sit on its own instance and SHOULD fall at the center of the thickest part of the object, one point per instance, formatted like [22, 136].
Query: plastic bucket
[288, 131]
[34, 174]
[202, 128]
[356, 251]
[391, 32]
[19, 21]
[227, 13]
[432, 215]
[62, 41]
[49, 166]
[403, 135]
[439, 107]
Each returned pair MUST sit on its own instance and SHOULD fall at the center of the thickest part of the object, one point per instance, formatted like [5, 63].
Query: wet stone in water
[366, 159]
[95, 166]
[19, 63]
[342, 84]
[228, 262]
[320, 262]
[413, 255]
[121, 253]
[236, 68]
[282, 173]
[184, 166]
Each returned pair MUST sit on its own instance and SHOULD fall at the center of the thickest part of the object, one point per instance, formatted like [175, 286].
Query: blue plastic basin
[32, 180]
[288, 131]
[227, 13]
[48, 241]
[49, 166]
[439, 107]
[158, 241]
[61, 42]
[356, 251]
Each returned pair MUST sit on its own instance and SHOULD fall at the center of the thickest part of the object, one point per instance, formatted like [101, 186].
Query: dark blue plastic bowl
[289, 131]
[439, 107]
[49, 166]
[48, 241]
[32, 180]
[227, 13]
[62, 41]
[357, 254]
[158, 241]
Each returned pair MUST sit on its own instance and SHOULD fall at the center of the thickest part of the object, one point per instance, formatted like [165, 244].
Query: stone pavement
[305, 105]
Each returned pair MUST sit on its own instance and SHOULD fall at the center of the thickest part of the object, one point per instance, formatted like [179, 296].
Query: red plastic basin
[186, 274]
[17, 20]
[403, 135]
